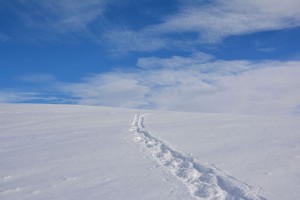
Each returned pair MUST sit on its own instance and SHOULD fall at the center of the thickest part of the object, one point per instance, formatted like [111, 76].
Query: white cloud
[7, 96]
[270, 90]
[220, 19]
[229, 86]
[211, 22]
[17, 96]
[40, 88]
[113, 89]
[204, 63]
[174, 62]
[37, 78]
[59, 16]
[122, 40]
[266, 87]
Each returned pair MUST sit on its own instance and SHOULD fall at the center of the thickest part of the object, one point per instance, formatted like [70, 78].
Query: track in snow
[203, 181]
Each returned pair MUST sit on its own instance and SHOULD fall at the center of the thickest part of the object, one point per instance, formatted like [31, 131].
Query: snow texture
[68, 152]
[203, 181]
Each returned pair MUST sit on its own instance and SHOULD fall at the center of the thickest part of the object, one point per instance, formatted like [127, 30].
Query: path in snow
[203, 181]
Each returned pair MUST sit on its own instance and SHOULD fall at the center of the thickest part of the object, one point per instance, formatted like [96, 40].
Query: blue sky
[204, 56]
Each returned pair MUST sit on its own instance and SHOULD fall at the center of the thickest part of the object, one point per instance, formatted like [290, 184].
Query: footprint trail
[202, 180]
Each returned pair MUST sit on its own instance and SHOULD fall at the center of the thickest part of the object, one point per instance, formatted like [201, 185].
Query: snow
[203, 181]
[85, 152]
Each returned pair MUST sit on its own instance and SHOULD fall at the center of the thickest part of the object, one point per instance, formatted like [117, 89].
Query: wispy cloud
[112, 89]
[264, 91]
[37, 78]
[199, 82]
[219, 19]
[204, 63]
[14, 96]
[42, 88]
[174, 62]
[45, 20]
[19, 96]
[267, 87]
[4, 37]
[121, 40]
[209, 22]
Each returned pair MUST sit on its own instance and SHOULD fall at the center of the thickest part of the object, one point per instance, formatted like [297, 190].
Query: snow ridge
[203, 181]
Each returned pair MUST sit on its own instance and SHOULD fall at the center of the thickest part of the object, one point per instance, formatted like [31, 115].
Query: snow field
[67, 152]
[202, 180]
[75, 153]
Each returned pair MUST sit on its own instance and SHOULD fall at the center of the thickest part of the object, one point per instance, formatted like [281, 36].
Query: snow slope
[82, 152]
[203, 181]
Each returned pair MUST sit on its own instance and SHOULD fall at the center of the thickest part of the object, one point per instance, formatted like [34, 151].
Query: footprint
[203, 180]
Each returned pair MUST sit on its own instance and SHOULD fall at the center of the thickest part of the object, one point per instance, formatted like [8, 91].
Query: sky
[184, 55]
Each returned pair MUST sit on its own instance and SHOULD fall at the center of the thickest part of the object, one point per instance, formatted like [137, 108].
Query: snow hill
[82, 152]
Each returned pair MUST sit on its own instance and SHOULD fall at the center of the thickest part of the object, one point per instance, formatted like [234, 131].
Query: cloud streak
[267, 87]
[37, 78]
[112, 89]
[225, 18]
[245, 87]
[210, 22]
[174, 62]
[122, 40]
[48, 19]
